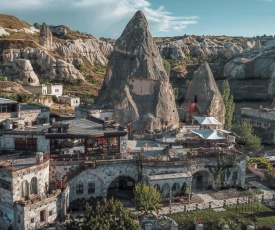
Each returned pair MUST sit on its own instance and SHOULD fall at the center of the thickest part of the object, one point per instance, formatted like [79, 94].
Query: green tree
[147, 197]
[108, 216]
[245, 131]
[228, 103]
[167, 67]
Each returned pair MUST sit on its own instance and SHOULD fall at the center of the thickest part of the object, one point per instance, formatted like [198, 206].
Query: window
[25, 189]
[56, 90]
[79, 187]
[195, 98]
[91, 187]
[34, 186]
[50, 213]
[42, 216]
[32, 220]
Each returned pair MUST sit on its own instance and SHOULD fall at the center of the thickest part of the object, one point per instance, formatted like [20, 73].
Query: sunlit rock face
[204, 92]
[136, 84]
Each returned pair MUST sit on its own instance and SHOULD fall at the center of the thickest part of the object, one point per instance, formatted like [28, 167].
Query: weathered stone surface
[136, 84]
[189, 46]
[45, 38]
[58, 30]
[40, 59]
[251, 75]
[93, 50]
[205, 93]
[22, 71]
[3, 32]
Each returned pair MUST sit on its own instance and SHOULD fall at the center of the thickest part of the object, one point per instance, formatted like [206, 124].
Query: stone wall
[33, 115]
[40, 89]
[41, 172]
[8, 141]
[103, 175]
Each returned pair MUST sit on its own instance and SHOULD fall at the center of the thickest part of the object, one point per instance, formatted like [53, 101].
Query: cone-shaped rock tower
[204, 92]
[136, 84]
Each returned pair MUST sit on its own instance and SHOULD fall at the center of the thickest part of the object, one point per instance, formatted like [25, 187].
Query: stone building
[34, 114]
[262, 120]
[203, 97]
[71, 100]
[45, 89]
[91, 159]
[9, 113]
[45, 38]
[26, 201]
[84, 110]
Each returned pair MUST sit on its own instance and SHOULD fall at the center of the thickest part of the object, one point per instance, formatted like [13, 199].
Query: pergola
[169, 180]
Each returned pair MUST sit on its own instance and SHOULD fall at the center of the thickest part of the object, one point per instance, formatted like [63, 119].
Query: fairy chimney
[204, 94]
[136, 84]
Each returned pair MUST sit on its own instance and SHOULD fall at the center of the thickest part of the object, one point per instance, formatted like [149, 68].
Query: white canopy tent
[208, 134]
[208, 121]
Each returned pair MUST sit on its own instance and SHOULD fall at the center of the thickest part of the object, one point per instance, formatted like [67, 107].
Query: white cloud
[98, 17]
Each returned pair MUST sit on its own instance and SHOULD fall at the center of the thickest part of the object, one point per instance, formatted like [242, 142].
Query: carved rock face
[204, 92]
[136, 84]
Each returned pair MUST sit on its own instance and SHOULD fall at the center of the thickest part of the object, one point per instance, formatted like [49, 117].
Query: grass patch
[259, 215]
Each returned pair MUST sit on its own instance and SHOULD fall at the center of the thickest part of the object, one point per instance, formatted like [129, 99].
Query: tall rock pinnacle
[136, 84]
[204, 92]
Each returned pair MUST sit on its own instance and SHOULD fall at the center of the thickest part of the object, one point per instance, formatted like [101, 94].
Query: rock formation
[251, 75]
[178, 49]
[3, 32]
[45, 38]
[41, 60]
[136, 85]
[204, 92]
[93, 50]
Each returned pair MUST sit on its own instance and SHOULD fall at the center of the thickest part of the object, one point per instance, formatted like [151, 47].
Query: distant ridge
[12, 22]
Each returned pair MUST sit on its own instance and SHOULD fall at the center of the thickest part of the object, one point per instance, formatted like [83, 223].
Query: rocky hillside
[248, 64]
[38, 55]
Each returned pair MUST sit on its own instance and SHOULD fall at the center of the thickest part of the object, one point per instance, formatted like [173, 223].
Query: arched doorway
[202, 180]
[121, 188]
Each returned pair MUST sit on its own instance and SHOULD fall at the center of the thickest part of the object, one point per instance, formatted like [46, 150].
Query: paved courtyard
[214, 200]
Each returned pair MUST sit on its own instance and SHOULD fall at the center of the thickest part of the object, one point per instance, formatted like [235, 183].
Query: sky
[107, 18]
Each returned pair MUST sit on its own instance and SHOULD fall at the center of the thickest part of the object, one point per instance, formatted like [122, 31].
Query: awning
[208, 121]
[208, 134]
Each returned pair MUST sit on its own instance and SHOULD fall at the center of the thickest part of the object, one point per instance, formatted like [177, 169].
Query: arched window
[25, 189]
[175, 187]
[34, 186]
[157, 187]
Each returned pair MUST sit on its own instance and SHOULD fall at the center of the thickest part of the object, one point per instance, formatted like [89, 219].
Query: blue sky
[107, 18]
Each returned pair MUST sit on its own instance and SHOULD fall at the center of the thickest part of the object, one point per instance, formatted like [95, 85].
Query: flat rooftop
[7, 101]
[168, 176]
[17, 160]
[33, 107]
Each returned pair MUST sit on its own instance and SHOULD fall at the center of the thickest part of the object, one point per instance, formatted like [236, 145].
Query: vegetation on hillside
[228, 103]
[247, 136]
[12, 22]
